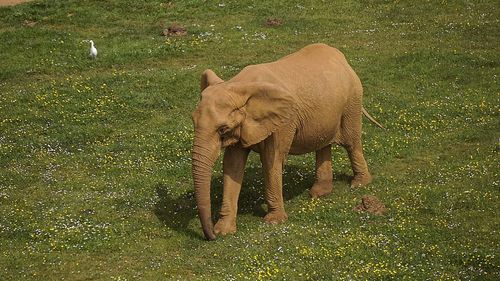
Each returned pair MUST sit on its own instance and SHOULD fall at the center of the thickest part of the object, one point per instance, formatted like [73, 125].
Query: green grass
[95, 180]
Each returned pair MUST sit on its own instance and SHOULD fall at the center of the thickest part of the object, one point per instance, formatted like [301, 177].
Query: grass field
[95, 170]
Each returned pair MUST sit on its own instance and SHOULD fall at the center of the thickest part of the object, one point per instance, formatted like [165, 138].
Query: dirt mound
[174, 30]
[273, 22]
[371, 204]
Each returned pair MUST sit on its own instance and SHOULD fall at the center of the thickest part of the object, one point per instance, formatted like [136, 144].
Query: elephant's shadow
[177, 212]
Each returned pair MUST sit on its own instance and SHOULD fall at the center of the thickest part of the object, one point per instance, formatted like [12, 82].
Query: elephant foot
[320, 189]
[276, 217]
[361, 180]
[225, 226]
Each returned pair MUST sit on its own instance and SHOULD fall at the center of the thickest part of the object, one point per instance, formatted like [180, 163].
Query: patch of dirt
[11, 2]
[371, 204]
[167, 5]
[274, 22]
[29, 23]
[174, 30]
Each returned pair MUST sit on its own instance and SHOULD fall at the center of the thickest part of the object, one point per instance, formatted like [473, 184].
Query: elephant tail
[365, 113]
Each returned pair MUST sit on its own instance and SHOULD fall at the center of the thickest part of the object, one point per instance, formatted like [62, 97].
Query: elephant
[301, 103]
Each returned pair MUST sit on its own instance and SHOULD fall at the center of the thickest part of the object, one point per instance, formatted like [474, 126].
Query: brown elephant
[301, 103]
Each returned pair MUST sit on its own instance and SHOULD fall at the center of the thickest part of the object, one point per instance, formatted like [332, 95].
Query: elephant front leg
[272, 163]
[324, 177]
[233, 167]
[274, 193]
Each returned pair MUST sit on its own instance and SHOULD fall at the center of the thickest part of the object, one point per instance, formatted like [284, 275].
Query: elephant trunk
[204, 155]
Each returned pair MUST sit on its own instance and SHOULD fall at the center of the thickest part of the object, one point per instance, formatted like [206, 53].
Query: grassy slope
[95, 155]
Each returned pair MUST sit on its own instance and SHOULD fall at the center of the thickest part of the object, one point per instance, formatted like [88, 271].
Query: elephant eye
[223, 130]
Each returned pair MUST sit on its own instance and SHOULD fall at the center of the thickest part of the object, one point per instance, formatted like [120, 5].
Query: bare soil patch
[12, 2]
[274, 22]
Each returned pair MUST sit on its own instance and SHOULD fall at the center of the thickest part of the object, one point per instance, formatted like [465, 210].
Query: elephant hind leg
[351, 140]
[324, 178]
[359, 167]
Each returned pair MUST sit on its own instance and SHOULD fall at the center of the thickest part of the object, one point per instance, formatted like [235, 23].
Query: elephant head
[229, 113]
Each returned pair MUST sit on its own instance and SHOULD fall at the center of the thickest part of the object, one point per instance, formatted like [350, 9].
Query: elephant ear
[209, 78]
[267, 108]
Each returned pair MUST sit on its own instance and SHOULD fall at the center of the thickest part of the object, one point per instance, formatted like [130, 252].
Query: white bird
[93, 50]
